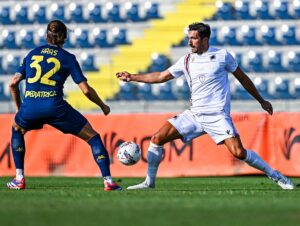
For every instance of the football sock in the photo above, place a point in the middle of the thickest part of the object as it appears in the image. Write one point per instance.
(108, 179)
(255, 161)
(100, 155)
(18, 150)
(154, 157)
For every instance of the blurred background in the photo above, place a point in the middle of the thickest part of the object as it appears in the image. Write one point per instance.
(145, 36)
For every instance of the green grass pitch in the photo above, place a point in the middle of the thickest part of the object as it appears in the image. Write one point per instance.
(241, 201)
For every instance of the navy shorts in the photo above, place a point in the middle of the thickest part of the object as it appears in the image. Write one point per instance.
(69, 121)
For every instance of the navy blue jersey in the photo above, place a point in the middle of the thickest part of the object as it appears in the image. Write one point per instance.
(45, 70)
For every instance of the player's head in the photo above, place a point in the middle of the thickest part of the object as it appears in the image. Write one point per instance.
(199, 34)
(56, 33)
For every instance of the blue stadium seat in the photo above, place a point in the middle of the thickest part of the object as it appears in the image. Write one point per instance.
(152, 10)
(281, 10)
(249, 36)
(76, 13)
(166, 92)
(295, 8)
(9, 39)
(3, 96)
(145, 92)
(27, 39)
(100, 38)
(293, 61)
(229, 36)
(275, 62)
(58, 12)
(182, 91)
(1, 66)
(261, 9)
(297, 88)
(128, 91)
(268, 36)
(82, 38)
(119, 36)
(242, 10)
(5, 15)
(87, 62)
(132, 12)
(289, 35)
(238, 58)
(113, 12)
(225, 11)
(213, 40)
(95, 13)
(255, 62)
(262, 85)
(39, 14)
(159, 63)
(282, 89)
(22, 15)
(13, 63)
(41, 37)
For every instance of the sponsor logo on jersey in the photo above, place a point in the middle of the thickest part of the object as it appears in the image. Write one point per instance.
(40, 94)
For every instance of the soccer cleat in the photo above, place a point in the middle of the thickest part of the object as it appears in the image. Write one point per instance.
(284, 182)
(144, 185)
(111, 186)
(16, 184)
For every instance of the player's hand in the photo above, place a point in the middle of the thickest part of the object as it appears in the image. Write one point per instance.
(106, 109)
(267, 106)
(124, 76)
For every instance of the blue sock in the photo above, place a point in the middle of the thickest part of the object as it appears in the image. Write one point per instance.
(100, 155)
(18, 148)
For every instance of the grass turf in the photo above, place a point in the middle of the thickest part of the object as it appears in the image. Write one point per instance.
(175, 202)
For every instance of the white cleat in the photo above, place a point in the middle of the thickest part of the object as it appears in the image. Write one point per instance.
(141, 186)
(284, 182)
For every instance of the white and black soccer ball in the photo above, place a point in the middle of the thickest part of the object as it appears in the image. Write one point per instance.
(129, 153)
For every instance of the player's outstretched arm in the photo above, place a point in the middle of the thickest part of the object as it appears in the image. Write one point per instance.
(153, 77)
(92, 95)
(250, 87)
(14, 89)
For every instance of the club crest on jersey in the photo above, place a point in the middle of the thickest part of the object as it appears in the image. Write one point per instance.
(202, 78)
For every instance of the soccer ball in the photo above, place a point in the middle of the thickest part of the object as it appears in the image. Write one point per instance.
(129, 153)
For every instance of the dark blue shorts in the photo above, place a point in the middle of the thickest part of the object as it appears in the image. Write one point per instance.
(68, 121)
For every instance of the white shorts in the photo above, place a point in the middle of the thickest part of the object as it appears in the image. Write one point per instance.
(218, 126)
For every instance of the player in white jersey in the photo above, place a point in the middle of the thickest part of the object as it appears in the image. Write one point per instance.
(206, 71)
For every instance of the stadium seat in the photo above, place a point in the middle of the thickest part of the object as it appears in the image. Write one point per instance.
(82, 38)
(159, 63)
(1, 66)
(13, 63)
(249, 36)
(76, 13)
(255, 62)
(229, 36)
(213, 40)
(27, 39)
(100, 38)
(128, 91)
(145, 92)
(39, 14)
(87, 62)
(152, 10)
(166, 92)
(3, 95)
(5, 15)
(295, 9)
(132, 12)
(274, 62)
(268, 35)
(293, 63)
(113, 12)
(288, 36)
(95, 13)
(41, 37)
(297, 88)
(119, 36)
(262, 85)
(279, 9)
(242, 10)
(282, 89)
(58, 12)
(240, 93)
(21, 14)
(9, 39)
(225, 11)
(182, 91)
(261, 9)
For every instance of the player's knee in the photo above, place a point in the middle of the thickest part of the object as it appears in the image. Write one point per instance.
(156, 139)
(239, 153)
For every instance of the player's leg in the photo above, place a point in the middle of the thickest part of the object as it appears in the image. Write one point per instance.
(154, 155)
(235, 146)
(18, 151)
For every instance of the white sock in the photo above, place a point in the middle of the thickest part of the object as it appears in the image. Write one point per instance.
(19, 174)
(108, 179)
(154, 157)
(255, 161)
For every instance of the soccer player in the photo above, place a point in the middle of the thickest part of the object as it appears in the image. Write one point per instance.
(45, 70)
(206, 71)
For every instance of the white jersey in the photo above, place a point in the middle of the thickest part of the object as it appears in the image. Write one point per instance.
(207, 77)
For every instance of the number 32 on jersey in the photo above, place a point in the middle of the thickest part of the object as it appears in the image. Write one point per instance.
(45, 78)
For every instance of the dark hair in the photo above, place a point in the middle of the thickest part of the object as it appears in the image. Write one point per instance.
(203, 29)
(56, 32)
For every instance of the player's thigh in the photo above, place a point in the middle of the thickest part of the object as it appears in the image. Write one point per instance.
(24, 122)
(187, 126)
(165, 134)
(71, 122)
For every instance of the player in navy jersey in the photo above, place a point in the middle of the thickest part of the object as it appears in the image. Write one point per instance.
(206, 71)
(45, 70)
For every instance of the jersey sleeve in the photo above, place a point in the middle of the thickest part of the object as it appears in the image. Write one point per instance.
(231, 64)
(75, 70)
(177, 69)
(22, 68)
